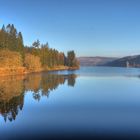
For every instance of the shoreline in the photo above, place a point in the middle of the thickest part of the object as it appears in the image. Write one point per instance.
(23, 71)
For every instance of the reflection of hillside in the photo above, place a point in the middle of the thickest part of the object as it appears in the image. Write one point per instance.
(32, 82)
(12, 89)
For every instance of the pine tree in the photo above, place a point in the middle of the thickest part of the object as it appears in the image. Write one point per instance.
(20, 45)
(70, 58)
(3, 28)
(36, 44)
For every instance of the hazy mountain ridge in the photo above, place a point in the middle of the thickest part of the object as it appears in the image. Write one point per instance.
(128, 61)
(95, 61)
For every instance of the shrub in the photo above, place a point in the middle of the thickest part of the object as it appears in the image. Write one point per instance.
(10, 59)
(32, 62)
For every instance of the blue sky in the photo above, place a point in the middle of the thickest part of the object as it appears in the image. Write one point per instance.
(90, 27)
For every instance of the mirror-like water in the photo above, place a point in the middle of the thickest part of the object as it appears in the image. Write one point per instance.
(92, 101)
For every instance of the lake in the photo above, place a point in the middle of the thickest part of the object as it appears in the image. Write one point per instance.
(93, 102)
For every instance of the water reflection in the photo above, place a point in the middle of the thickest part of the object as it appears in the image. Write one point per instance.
(12, 89)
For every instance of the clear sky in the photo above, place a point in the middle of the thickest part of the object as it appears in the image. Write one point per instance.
(90, 27)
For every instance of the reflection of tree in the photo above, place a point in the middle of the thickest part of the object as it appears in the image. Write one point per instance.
(32, 82)
(37, 96)
(11, 96)
(71, 80)
(12, 90)
(9, 110)
(50, 82)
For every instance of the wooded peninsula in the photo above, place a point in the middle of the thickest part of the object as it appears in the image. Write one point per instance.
(17, 58)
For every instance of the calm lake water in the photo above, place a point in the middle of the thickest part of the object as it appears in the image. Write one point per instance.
(87, 103)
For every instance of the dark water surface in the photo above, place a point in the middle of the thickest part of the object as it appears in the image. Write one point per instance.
(93, 102)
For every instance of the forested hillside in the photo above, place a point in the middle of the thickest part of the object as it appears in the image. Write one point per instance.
(37, 57)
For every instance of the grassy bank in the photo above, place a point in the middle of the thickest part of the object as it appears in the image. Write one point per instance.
(12, 71)
(57, 68)
(23, 70)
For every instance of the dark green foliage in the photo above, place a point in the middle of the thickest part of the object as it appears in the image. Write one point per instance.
(49, 57)
(20, 46)
(71, 60)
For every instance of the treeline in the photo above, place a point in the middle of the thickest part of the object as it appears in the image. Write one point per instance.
(36, 56)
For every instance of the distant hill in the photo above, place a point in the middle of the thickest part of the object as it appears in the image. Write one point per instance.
(129, 61)
(95, 61)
